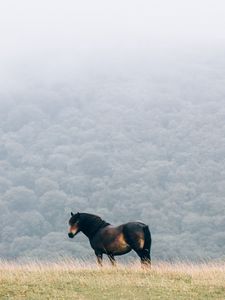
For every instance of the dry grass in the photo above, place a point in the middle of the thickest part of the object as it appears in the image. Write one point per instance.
(77, 280)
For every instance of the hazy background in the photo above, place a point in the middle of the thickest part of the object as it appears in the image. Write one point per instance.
(115, 108)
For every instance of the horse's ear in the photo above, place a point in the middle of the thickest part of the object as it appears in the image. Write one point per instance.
(78, 214)
(71, 214)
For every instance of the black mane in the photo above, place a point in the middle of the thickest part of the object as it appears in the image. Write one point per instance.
(90, 224)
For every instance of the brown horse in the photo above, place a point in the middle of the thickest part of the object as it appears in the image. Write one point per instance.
(112, 240)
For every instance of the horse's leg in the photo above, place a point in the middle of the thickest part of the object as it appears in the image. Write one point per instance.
(143, 251)
(99, 258)
(144, 254)
(145, 258)
(112, 259)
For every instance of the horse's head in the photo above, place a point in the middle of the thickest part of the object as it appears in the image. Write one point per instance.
(74, 225)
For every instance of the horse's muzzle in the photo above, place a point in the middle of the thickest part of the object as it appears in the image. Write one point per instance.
(71, 235)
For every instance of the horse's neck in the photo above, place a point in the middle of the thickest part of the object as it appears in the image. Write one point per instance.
(91, 225)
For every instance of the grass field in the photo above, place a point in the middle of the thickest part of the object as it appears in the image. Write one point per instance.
(75, 280)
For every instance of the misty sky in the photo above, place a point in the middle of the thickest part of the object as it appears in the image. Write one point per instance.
(48, 39)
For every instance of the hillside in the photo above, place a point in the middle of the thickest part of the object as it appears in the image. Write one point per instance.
(74, 280)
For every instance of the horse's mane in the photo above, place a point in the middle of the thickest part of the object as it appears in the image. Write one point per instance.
(90, 224)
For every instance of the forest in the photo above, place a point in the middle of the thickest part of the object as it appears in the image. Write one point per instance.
(127, 145)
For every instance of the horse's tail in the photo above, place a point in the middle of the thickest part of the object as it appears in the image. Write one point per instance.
(148, 240)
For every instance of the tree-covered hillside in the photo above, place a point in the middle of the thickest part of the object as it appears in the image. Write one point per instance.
(147, 146)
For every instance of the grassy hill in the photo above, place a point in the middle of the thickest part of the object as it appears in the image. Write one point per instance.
(76, 280)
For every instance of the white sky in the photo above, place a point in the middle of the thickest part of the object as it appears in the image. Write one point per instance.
(60, 31)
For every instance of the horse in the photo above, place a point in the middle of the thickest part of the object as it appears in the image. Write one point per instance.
(112, 240)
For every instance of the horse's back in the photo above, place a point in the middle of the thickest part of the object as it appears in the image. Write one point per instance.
(134, 225)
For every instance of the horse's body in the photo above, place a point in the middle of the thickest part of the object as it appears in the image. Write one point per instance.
(112, 240)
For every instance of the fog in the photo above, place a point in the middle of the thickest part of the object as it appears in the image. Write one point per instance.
(53, 38)
(115, 108)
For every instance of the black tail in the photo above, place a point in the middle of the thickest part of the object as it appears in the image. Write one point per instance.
(148, 239)
(147, 244)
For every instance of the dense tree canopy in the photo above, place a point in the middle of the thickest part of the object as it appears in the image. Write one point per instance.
(144, 147)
